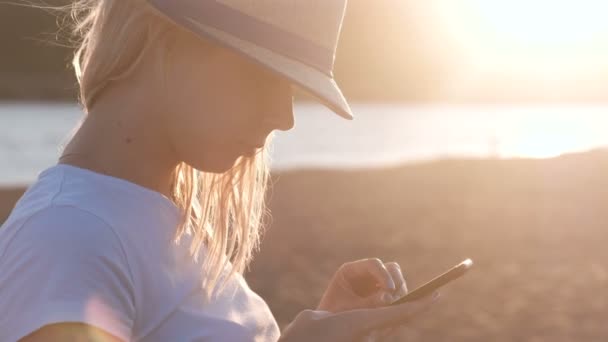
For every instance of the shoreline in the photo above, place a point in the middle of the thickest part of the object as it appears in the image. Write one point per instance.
(10, 193)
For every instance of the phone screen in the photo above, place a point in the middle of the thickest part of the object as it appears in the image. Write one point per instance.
(430, 287)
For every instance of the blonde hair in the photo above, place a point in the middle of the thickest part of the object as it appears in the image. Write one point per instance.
(224, 213)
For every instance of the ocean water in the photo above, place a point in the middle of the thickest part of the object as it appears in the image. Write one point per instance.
(31, 134)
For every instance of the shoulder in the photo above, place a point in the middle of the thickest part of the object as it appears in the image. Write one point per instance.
(65, 240)
(63, 264)
(62, 230)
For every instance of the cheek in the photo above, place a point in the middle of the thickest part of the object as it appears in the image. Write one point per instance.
(203, 137)
(209, 103)
(199, 144)
(191, 110)
(206, 124)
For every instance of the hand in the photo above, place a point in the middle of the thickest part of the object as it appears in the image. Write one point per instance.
(367, 283)
(351, 325)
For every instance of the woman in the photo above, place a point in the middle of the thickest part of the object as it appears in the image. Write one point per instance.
(143, 228)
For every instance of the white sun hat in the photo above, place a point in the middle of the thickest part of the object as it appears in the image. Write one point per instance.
(295, 38)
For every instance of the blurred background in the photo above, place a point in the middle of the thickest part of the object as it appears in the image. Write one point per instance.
(479, 131)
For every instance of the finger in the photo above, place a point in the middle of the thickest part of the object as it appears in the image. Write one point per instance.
(365, 320)
(386, 297)
(380, 299)
(373, 267)
(401, 287)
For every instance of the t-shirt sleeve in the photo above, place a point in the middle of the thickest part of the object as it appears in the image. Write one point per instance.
(65, 265)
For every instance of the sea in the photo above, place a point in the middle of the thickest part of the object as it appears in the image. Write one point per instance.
(32, 134)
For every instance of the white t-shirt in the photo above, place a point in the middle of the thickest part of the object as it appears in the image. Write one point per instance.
(80, 246)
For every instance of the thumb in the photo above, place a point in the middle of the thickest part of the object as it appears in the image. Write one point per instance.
(377, 299)
(365, 320)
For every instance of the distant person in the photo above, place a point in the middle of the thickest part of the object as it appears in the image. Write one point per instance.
(142, 230)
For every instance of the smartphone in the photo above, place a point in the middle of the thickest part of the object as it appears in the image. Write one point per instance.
(430, 287)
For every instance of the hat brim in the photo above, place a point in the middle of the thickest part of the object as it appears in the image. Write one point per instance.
(320, 85)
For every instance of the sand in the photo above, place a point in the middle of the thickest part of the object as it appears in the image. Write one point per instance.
(8, 197)
(536, 229)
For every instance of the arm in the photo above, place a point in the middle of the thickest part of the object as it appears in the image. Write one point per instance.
(70, 332)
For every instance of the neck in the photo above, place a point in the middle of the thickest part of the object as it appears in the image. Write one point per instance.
(111, 141)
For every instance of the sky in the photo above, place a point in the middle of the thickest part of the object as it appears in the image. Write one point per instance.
(471, 51)
(478, 50)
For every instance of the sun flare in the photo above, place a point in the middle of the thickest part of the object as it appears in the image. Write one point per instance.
(561, 36)
(544, 132)
(543, 23)
(526, 49)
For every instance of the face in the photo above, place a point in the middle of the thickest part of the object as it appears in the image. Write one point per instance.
(220, 105)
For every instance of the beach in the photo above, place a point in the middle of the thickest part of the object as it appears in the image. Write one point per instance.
(535, 228)
(8, 196)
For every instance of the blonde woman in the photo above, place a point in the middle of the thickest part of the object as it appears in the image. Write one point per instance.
(142, 230)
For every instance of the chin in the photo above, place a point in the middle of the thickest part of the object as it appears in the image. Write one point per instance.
(214, 166)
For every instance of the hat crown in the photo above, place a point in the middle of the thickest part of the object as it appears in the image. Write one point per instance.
(318, 21)
(295, 38)
(303, 30)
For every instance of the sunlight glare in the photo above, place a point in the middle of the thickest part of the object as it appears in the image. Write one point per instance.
(543, 22)
(559, 37)
(549, 134)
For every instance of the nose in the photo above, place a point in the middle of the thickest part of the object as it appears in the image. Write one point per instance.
(280, 113)
(283, 119)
